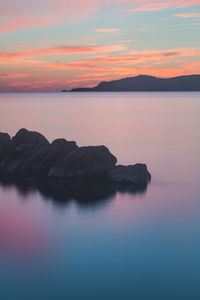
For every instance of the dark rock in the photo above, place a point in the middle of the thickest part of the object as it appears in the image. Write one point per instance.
(34, 161)
(4, 138)
(5, 144)
(63, 144)
(65, 168)
(17, 162)
(133, 174)
(47, 156)
(24, 136)
(85, 161)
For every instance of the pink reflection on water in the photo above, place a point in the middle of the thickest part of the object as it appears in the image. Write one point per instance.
(22, 232)
(19, 235)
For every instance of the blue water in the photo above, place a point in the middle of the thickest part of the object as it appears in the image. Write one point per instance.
(139, 246)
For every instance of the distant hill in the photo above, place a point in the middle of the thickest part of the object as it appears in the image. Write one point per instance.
(146, 83)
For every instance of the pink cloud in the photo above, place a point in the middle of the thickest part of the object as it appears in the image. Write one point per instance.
(188, 15)
(12, 25)
(107, 30)
(11, 76)
(163, 5)
(19, 44)
(23, 14)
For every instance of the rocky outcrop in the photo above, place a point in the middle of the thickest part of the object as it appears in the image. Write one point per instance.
(29, 155)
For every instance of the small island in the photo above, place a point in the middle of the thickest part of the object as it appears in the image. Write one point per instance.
(28, 156)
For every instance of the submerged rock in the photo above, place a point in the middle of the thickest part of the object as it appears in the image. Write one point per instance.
(85, 161)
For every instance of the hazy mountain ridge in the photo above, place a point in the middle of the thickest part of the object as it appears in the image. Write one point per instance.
(147, 83)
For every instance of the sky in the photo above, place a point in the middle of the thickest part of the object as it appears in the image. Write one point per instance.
(49, 45)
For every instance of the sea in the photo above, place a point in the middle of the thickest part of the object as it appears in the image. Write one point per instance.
(126, 245)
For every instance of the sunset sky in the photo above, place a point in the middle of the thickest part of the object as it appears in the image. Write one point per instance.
(49, 45)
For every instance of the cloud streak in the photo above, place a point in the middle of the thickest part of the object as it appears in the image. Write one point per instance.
(188, 15)
(61, 50)
(107, 30)
(153, 6)
(13, 76)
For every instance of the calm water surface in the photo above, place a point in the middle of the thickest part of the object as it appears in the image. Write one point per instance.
(125, 246)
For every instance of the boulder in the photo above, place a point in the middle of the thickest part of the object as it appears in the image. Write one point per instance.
(24, 136)
(4, 138)
(5, 144)
(84, 162)
(35, 161)
(17, 161)
(47, 156)
(132, 174)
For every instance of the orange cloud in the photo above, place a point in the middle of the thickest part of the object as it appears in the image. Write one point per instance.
(135, 57)
(71, 66)
(61, 50)
(93, 78)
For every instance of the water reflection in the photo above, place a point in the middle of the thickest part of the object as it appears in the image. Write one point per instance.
(85, 194)
(22, 236)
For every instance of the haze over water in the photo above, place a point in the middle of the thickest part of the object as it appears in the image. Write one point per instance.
(126, 246)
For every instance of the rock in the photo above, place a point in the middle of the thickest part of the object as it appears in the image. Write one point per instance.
(63, 144)
(84, 162)
(35, 161)
(24, 136)
(4, 138)
(133, 174)
(29, 156)
(17, 162)
(5, 144)
(47, 156)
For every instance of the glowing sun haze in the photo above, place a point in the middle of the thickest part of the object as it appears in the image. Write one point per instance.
(50, 45)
